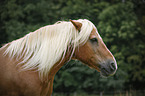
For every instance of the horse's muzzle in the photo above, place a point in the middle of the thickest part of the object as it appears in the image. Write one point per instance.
(108, 68)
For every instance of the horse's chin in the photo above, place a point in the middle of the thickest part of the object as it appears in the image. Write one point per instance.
(105, 74)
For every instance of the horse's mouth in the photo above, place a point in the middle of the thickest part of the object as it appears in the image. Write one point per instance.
(103, 72)
(108, 68)
(106, 72)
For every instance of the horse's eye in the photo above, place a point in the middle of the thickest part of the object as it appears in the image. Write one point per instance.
(94, 40)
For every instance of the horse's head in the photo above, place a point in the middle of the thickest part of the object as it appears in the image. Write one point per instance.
(95, 54)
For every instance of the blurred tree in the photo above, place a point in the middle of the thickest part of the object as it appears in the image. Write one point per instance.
(139, 10)
(120, 23)
(3, 35)
(118, 26)
(21, 17)
(77, 77)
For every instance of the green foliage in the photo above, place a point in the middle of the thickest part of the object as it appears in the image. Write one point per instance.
(123, 37)
(76, 77)
(121, 25)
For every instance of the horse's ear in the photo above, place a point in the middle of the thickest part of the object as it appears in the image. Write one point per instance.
(77, 25)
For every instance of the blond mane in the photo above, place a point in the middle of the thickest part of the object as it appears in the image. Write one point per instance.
(44, 47)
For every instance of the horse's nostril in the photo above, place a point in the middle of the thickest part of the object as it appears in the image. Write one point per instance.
(112, 66)
(109, 68)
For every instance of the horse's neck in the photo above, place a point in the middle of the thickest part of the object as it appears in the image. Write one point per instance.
(58, 65)
(52, 71)
(43, 87)
(3, 58)
(48, 81)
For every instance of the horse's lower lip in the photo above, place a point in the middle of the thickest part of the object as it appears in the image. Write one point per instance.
(104, 73)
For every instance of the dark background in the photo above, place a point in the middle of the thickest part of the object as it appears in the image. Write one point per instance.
(121, 24)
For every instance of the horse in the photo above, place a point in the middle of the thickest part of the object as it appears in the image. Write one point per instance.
(28, 65)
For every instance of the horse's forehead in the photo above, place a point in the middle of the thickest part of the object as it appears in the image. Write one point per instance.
(95, 33)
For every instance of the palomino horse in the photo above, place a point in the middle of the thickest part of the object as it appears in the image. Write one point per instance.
(28, 65)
